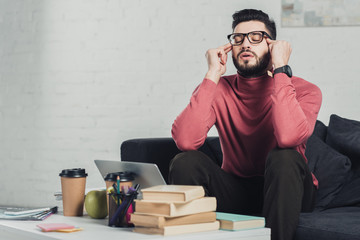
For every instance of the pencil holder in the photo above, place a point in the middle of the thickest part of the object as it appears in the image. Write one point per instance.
(120, 208)
(125, 181)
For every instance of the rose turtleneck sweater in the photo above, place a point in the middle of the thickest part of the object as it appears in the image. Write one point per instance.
(252, 117)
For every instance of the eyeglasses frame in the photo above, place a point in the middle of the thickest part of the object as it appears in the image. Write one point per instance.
(247, 35)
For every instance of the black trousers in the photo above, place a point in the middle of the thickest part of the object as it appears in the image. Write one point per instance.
(285, 190)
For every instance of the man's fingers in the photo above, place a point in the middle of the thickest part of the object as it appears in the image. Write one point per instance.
(269, 41)
(227, 50)
(222, 55)
(223, 51)
(227, 47)
(225, 60)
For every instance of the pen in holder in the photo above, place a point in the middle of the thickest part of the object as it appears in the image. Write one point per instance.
(121, 205)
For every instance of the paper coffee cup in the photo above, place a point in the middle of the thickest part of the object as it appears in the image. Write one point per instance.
(126, 179)
(73, 182)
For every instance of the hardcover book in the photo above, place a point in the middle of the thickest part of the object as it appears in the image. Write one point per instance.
(229, 221)
(171, 209)
(173, 193)
(179, 229)
(141, 220)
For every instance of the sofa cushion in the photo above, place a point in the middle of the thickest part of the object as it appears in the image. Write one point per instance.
(214, 149)
(331, 168)
(320, 130)
(337, 223)
(344, 136)
(349, 194)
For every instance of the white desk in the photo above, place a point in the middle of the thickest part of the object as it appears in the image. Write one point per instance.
(98, 229)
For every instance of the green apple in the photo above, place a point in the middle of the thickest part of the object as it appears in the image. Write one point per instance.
(95, 204)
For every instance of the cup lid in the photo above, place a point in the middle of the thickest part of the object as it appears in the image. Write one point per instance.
(74, 172)
(124, 176)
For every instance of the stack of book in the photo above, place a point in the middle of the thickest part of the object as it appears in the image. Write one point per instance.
(174, 209)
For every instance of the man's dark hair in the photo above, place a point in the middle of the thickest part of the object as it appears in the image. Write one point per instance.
(254, 15)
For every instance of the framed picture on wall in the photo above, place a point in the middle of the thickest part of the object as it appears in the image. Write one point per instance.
(317, 13)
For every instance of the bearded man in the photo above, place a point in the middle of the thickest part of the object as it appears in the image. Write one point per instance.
(263, 116)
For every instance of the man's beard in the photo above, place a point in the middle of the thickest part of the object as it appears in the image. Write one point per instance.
(258, 69)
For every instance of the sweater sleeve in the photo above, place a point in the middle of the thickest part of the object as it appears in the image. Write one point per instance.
(190, 128)
(294, 114)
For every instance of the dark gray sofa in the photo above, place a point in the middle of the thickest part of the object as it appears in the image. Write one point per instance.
(333, 152)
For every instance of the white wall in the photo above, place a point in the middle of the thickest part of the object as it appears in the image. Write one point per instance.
(78, 77)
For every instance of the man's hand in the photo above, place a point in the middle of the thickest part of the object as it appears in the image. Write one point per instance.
(280, 52)
(217, 59)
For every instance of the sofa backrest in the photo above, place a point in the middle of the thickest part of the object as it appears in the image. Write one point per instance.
(161, 150)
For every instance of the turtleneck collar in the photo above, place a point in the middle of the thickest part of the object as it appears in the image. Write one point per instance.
(256, 86)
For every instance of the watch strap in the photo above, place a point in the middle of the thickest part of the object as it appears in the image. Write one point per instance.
(284, 69)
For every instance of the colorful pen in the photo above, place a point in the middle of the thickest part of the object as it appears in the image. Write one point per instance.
(118, 184)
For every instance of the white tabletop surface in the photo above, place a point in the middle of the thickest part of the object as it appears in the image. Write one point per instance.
(98, 229)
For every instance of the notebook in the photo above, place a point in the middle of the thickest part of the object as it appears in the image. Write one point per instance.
(146, 174)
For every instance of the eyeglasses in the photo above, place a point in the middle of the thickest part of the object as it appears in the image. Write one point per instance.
(255, 37)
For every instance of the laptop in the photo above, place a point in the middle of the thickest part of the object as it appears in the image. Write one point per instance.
(146, 174)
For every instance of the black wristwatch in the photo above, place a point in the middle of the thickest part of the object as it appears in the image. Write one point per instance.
(284, 69)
